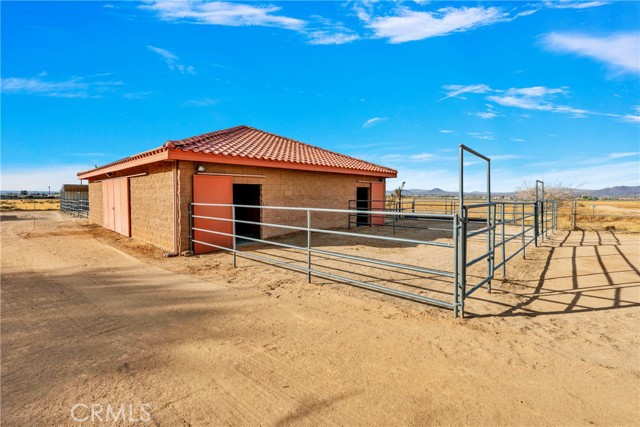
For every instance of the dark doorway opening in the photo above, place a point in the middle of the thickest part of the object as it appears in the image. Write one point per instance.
(362, 204)
(247, 194)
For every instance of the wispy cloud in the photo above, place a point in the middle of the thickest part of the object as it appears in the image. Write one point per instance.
(537, 98)
(373, 121)
(620, 52)
(517, 139)
(202, 102)
(172, 60)
(488, 136)
(74, 87)
(410, 25)
(453, 91)
(447, 131)
(317, 29)
(422, 157)
(137, 95)
(500, 157)
(572, 4)
(223, 13)
(331, 37)
(487, 115)
(623, 155)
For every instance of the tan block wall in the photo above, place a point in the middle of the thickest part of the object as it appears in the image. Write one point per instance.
(95, 203)
(279, 187)
(151, 204)
(152, 198)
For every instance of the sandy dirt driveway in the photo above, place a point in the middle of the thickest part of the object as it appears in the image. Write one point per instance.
(91, 318)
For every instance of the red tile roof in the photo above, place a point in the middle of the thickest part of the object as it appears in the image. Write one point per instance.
(254, 145)
(251, 143)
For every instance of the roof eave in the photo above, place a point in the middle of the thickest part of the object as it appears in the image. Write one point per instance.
(124, 164)
(178, 154)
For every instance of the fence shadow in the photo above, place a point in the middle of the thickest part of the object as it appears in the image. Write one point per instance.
(602, 277)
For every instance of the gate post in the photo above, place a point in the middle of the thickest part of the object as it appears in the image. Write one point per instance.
(535, 224)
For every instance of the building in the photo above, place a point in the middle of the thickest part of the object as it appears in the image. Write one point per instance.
(147, 196)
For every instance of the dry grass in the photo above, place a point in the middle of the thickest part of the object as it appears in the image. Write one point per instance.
(30, 205)
(619, 215)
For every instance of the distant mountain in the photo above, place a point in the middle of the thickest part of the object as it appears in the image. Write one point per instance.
(613, 192)
(619, 191)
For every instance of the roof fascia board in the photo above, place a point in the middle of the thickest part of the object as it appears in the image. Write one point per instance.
(177, 154)
(164, 155)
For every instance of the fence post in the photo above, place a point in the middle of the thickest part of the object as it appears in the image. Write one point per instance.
(233, 225)
(455, 266)
(308, 246)
(574, 215)
(463, 261)
(535, 224)
(524, 234)
(504, 250)
(191, 227)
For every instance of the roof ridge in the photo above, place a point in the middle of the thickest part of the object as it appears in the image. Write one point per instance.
(171, 143)
(314, 146)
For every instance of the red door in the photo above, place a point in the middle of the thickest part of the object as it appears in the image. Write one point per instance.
(215, 190)
(377, 202)
(115, 205)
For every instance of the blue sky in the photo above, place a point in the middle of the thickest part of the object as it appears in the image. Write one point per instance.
(548, 90)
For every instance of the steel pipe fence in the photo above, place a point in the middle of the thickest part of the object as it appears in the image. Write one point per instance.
(312, 267)
(77, 207)
(508, 230)
(507, 227)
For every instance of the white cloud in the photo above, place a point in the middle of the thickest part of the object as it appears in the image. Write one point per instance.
(621, 52)
(571, 4)
(137, 95)
(500, 157)
(171, 60)
(411, 25)
(447, 131)
(629, 118)
(202, 102)
(622, 155)
(457, 90)
(75, 87)
(223, 13)
(373, 121)
(521, 102)
(539, 98)
(488, 115)
(482, 135)
(517, 139)
(39, 178)
(324, 37)
(423, 157)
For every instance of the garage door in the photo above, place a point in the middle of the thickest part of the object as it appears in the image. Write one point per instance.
(215, 190)
(115, 205)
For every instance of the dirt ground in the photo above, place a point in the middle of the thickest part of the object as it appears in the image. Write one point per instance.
(89, 317)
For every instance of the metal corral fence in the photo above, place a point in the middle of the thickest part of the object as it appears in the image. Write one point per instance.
(611, 215)
(79, 208)
(489, 233)
(74, 199)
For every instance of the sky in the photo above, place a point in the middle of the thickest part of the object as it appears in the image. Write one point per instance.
(547, 90)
